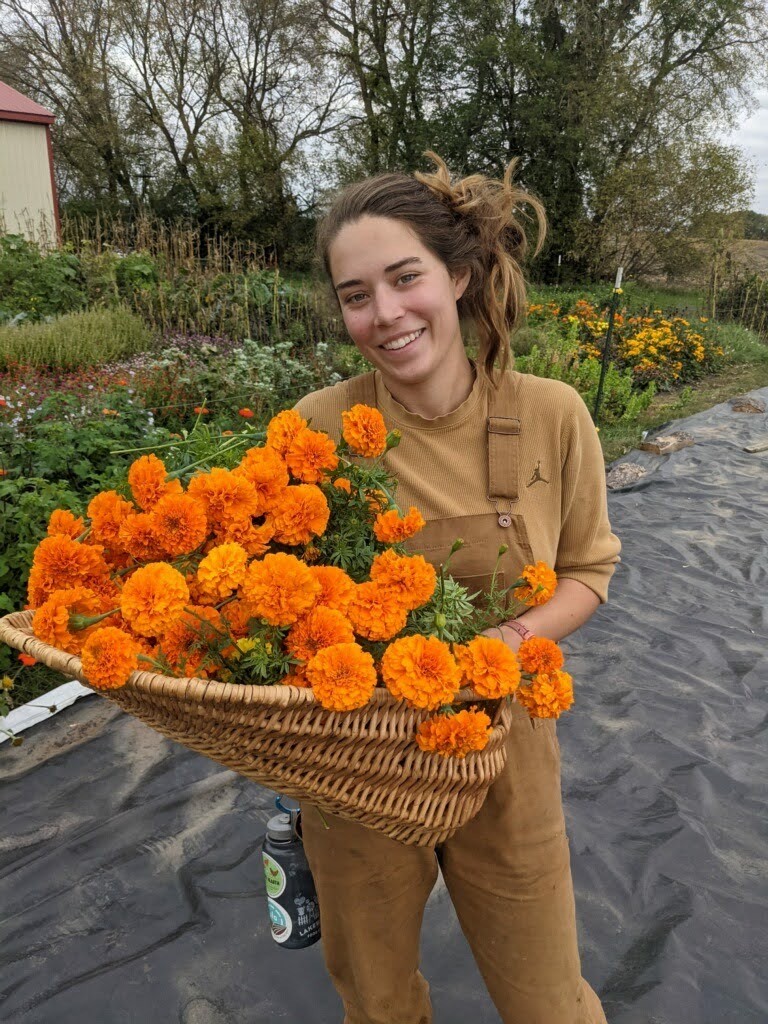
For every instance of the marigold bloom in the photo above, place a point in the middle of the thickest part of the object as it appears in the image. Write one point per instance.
(245, 413)
(301, 514)
(107, 513)
(59, 562)
(540, 654)
(265, 468)
(540, 584)
(51, 623)
(490, 668)
(364, 431)
(337, 588)
(187, 640)
(147, 480)
(320, 627)
(283, 428)
(296, 677)
(254, 539)
(421, 670)
(548, 694)
(222, 571)
(201, 410)
(377, 500)
(343, 676)
(27, 660)
(62, 521)
(237, 616)
(410, 578)
(343, 484)
(375, 613)
(389, 528)
(455, 735)
(180, 523)
(108, 657)
(153, 596)
(279, 588)
(137, 536)
(311, 456)
(226, 496)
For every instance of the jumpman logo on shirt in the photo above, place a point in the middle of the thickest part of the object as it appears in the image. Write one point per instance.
(536, 477)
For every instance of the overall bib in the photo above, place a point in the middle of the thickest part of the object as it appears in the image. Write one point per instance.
(507, 870)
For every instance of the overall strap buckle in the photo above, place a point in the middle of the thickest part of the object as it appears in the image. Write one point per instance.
(503, 447)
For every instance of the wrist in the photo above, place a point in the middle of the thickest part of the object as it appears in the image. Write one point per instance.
(517, 627)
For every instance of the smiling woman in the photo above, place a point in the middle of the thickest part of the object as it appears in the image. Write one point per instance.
(413, 263)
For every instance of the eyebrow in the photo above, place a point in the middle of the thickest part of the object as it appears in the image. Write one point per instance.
(387, 270)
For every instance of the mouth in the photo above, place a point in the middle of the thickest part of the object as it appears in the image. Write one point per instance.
(402, 347)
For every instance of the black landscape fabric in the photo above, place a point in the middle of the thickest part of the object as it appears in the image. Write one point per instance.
(131, 884)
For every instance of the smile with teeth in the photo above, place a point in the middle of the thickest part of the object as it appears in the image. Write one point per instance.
(405, 340)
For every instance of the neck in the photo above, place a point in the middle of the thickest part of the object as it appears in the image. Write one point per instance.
(443, 392)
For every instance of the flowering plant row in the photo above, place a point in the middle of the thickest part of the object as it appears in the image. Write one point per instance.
(287, 569)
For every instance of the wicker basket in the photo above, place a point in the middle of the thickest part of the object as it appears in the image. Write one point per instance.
(363, 765)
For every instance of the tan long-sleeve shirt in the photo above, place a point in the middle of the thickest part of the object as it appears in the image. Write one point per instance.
(442, 468)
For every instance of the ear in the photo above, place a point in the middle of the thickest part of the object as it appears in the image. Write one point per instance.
(461, 281)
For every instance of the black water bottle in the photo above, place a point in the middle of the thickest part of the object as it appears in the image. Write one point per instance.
(294, 913)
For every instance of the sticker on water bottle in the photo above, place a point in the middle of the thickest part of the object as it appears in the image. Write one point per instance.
(274, 876)
(281, 924)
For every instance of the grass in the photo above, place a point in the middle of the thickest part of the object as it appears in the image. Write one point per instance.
(73, 340)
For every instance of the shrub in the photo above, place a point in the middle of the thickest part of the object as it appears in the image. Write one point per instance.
(34, 285)
(75, 339)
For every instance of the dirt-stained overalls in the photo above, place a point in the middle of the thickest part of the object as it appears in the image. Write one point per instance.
(507, 870)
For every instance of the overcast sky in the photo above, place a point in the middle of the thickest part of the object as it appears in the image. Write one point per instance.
(752, 137)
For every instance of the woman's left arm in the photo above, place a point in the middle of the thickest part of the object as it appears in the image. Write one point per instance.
(571, 605)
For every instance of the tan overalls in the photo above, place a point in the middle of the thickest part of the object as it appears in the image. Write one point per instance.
(507, 870)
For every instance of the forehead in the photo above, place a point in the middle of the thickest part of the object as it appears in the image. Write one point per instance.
(365, 248)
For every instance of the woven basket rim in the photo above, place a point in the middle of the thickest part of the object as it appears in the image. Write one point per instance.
(16, 631)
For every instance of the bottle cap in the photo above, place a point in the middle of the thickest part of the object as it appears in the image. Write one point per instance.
(279, 828)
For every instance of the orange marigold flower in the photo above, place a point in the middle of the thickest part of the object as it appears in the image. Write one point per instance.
(321, 627)
(59, 562)
(222, 571)
(336, 588)
(27, 660)
(389, 528)
(343, 484)
(63, 521)
(245, 413)
(147, 480)
(51, 622)
(548, 695)
(421, 670)
(180, 522)
(226, 496)
(411, 579)
(279, 588)
(375, 613)
(188, 641)
(364, 431)
(377, 500)
(539, 654)
(227, 433)
(201, 410)
(540, 584)
(107, 512)
(137, 536)
(343, 676)
(153, 596)
(267, 471)
(108, 657)
(301, 514)
(283, 428)
(296, 677)
(255, 539)
(237, 616)
(490, 668)
(455, 735)
(312, 456)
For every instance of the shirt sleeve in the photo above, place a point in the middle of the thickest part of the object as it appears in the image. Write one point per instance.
(587, 550)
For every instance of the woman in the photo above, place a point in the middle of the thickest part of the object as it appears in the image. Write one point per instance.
(492, 458)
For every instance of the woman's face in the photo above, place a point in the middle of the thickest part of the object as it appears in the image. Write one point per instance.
(389, 286)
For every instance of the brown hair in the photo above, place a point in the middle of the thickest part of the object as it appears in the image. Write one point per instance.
(473, 223)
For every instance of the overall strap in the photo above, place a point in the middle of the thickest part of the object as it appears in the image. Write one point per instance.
(361, 389)
(503, 445)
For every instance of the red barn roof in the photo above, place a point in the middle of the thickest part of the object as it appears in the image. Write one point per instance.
(14, 106)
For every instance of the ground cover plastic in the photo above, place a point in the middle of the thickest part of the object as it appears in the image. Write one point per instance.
(131, 886)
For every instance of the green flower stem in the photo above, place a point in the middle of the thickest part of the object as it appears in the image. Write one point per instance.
(83, 621)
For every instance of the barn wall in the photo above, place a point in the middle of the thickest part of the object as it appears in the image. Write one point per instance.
(26, 200)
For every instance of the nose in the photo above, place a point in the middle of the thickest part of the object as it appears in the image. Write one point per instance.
(388, 308)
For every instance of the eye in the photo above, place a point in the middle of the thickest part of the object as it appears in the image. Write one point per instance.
(350, 298)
